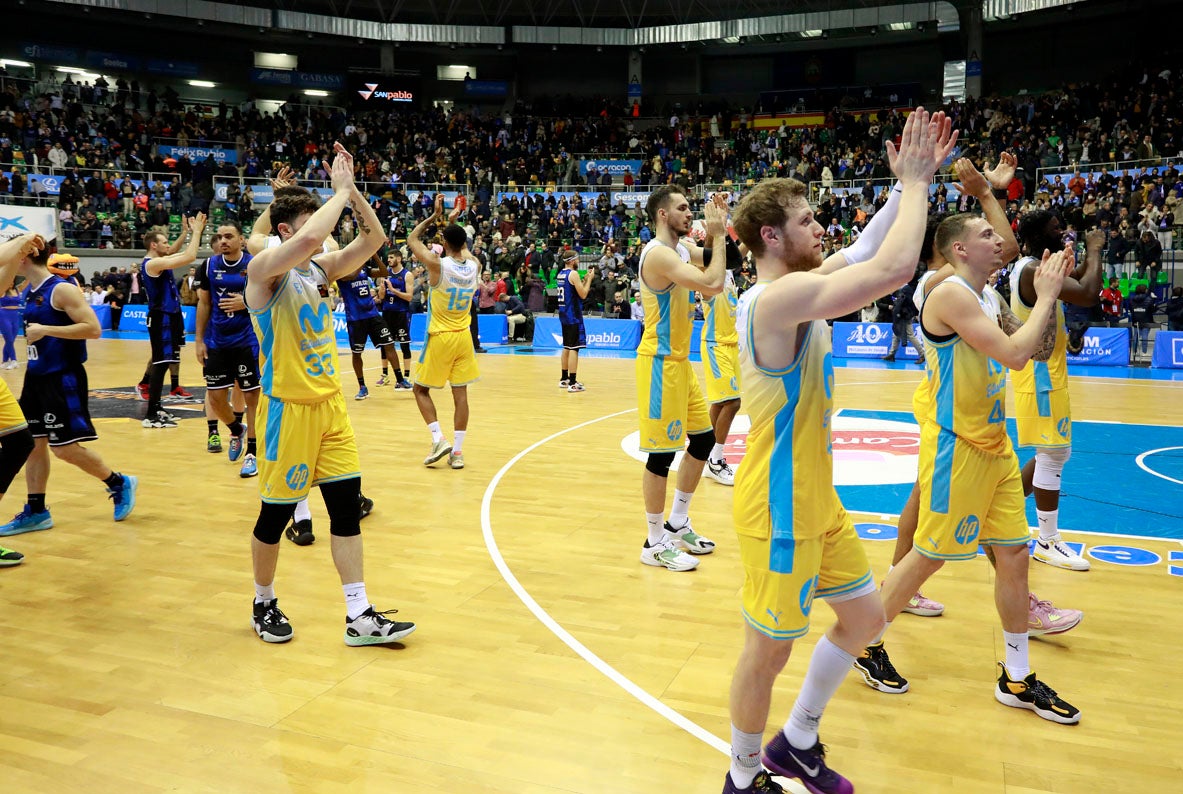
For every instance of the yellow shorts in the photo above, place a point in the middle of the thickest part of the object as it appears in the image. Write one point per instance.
(12, 418)
(303, 445)
(1044, 420)
(967, 498)
(669, 404)
(720, 364)
(777, 602)
(447, 357)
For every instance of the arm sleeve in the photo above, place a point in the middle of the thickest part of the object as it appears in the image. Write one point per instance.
(872, 236)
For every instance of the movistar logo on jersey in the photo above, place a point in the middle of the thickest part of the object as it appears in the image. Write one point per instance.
(315, 321)
(297, 477)
(967, 530)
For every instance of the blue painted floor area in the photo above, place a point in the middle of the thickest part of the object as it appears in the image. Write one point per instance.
(1104, 488)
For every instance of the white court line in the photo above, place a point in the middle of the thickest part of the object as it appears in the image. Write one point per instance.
(693, 728)
(1139, 460)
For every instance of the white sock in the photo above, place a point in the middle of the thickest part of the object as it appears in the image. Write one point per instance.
(745, 757)
(355, 599)
(264, 593)
(436, 434)
(1049, 524)
(827, 670)
(680, 512)
(656, 522)
(1018, 665)
(303, 512)
(717, 455)
(458, 441)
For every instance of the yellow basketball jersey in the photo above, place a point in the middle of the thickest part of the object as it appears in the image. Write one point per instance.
(1040, 376)
(297, 339)
(449, 303)
(718, 314)
(669, 314)
(966, 391)
(786, 483)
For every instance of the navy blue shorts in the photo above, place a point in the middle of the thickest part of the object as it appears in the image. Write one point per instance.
(56, 407)
(166, 331)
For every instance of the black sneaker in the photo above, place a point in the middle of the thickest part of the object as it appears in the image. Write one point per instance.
(374, 628)
(300, 532)
(761, 784)
(159, 419)
(1033, 694)
(367, 506)
(270, 623)
(808, 766)
(877, 670)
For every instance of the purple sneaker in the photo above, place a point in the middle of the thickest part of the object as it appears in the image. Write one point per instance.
(761, 784)
(808, 766)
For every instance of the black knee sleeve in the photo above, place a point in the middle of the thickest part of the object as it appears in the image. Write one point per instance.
(406, 347)
(341, 500)
(701, 444)
(659, 463)
(272, 519)
(14, 451)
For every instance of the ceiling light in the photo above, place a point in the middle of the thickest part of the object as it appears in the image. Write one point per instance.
(10, 62)
(315, 92)
(900, 26)
(812, 34)
(202, 84)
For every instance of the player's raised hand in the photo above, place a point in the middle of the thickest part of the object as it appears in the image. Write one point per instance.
(1094, 238)
(1003, 174)
(1049, 276)
(945, 139)
(912, 161)
(969, 179)
(438, 206)
(197, 224)
(341, 173)
(30, 243)
(714, 213)
(286, 177)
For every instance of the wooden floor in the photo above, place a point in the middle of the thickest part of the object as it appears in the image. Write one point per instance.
(127, 663)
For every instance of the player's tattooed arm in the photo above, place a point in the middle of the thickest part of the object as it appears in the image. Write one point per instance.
(1047, 340)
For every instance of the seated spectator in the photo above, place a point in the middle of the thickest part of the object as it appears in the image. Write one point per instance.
(1174, 310)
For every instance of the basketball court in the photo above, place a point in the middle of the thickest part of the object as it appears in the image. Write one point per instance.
(548, 658)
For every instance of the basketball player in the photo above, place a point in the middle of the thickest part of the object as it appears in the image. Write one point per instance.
(1043, 412)
(16, 442)
(364, 321)
(395, 292)
(227, 347)
(572, 292)
(672, 412)
(166, 324)
(971, 491)
(447, 356)
(307, 437)
(721, 365)
(796, 541)
(58, 321)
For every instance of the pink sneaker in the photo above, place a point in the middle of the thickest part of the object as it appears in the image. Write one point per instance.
(1043, 618)
(924, 607)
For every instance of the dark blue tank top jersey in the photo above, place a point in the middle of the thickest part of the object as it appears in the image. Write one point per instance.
(227, 329)
(570, 304)
(162, 291)
(49, 354)
(394, 303)
(10, 300)
(358, 293)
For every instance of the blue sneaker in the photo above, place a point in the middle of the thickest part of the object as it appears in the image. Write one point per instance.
(237, 445)
(361, 395)
(249, 467)
(27, 521)
(124, 496)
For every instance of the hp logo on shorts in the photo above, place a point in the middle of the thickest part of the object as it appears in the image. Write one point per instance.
(807, 591)
(1064, 426)
(967, 530)
(674, 430)
(734, 385)
(297, 477)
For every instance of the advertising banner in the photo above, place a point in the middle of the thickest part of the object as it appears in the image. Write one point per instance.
(869, 340)
(601, 334)
(1168, 349)
(1106, 347)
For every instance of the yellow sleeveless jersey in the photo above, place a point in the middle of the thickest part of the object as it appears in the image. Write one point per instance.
(966, 390)
(718, 314)
(449, 303)
(669, 314)
(297, 339)
(1040, 377)
(786, 482)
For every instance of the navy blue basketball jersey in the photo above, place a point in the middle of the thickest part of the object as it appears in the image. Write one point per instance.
(162, 290)
(394, 303)
(570, 304)
(49, 354)
(357, 291)
(227, 329)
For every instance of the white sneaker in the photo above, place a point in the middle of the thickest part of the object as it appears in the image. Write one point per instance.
(439, 450)
(689, 540)
(665, 554)
(1056, 554)
(720, 472)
